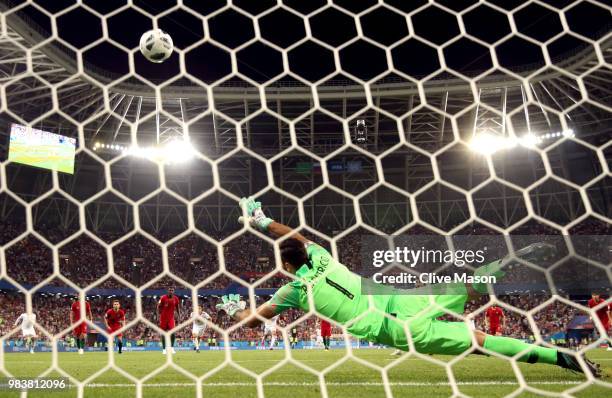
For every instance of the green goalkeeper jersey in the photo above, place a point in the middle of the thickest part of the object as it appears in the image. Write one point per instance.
(336, 293)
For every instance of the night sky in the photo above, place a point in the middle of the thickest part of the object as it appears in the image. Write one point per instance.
(333, 25)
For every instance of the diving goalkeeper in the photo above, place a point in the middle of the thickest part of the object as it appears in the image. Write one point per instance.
(336, 294)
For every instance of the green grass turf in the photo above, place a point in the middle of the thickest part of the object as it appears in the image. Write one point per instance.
(476, 376)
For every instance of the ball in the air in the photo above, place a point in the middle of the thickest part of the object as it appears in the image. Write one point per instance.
(156, 45)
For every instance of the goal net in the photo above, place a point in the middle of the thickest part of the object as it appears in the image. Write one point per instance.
(363, 125)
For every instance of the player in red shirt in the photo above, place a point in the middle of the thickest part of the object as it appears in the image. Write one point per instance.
(80, 330)
(325, 333)
(168, 303)
(603, 313)
(495, 320)
(114, 319)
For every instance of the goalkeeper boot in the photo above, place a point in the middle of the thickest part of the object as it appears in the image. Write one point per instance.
(536, 252)
(567, 361)
(491, 269)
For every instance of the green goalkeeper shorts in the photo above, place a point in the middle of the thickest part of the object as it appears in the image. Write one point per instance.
(429, 335)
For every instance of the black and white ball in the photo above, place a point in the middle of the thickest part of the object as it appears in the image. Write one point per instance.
(156, 45)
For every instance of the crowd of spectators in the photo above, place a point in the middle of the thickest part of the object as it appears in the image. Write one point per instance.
(138, 260)
(192, 259)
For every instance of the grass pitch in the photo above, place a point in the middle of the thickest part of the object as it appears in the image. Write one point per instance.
(410, 376)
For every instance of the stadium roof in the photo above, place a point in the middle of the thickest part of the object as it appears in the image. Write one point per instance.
(111, 104)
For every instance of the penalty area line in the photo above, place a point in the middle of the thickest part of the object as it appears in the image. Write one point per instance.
(336, 384)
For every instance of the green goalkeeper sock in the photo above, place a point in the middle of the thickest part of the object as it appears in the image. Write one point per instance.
(510, 347)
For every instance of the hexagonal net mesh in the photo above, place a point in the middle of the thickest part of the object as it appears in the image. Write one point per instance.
(347, 120)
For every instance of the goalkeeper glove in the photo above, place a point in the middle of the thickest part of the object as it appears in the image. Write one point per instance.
(255, 215)
(231, 304)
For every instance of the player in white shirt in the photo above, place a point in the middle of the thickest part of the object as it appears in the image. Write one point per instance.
(319, 341)
(269, 330)
(199, 326)
(27, 329)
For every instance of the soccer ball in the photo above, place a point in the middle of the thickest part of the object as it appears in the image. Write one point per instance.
(156, 45)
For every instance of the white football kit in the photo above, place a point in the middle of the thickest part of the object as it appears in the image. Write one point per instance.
(199, 326)
(319, 341)
(27, 324)
(270, 326)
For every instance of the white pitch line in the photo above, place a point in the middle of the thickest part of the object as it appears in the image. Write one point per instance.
(308, 384)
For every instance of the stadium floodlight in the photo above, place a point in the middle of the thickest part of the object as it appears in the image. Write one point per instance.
(529, 140)
(178, 151)
(488, 144)
(175, 151)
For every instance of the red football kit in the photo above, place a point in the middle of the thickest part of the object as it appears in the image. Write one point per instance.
(80, 328)
(494, 315)
(167, 306)
(325, 329)
(114, 319)
(602, 313)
